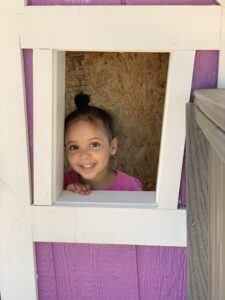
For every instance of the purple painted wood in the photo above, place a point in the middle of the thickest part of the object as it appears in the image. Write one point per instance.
(46, 271)
(74, 2)
(96, 272)
(169, 2)
(75, 271)
(162, 273)
(206, 70)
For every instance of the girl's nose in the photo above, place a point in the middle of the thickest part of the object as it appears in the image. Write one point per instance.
(85, 153)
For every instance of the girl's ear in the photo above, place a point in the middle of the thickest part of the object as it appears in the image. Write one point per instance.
(114, 144)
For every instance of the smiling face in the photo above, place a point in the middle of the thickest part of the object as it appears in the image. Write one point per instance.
(88, 150)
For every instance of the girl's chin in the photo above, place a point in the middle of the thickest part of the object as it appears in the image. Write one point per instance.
(87, 174)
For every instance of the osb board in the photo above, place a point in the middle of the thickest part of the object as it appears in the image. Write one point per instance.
(131, 86)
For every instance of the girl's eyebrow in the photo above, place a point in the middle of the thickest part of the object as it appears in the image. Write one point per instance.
(91, 139)
(71, 142)
(95, 138)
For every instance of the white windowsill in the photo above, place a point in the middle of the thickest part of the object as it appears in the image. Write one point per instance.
(120, 199)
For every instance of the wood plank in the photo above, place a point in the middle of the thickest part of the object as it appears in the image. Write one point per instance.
(121, 225)
(162, 273)
(212, 103)
(215, 136)
(178, 91)
(120, 199)
(46, 273)
(197, 151)
(113, 28)
(43, 125)
(217, 227)
(16, 6)
(58, 116)
(18, 274)
(96, 271)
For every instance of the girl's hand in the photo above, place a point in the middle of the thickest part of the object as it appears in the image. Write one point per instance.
(80, 188)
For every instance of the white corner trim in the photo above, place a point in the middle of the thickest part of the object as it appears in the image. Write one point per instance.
(17, 271)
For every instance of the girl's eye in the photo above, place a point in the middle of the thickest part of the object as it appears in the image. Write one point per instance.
(73, 148)
(95, 145)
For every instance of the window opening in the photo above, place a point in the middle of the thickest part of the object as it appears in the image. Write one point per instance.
(131, 86)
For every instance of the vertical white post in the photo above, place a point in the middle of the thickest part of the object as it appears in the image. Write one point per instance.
(17, 262)
(58, 122)
(48, 82)
(177, 95)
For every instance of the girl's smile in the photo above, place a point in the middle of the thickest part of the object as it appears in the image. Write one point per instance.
(88, 152)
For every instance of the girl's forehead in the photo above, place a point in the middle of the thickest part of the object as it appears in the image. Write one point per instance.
(86, 127)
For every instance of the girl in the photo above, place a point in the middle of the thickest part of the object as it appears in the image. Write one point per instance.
(90, 141)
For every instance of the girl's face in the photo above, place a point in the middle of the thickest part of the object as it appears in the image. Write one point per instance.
(88, 149)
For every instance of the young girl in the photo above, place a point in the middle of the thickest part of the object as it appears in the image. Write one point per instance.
(90, 141)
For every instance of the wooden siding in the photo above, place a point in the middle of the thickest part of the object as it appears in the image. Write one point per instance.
(206, 193)
(197, 209)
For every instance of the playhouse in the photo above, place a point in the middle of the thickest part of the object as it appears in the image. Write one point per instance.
(113, 245)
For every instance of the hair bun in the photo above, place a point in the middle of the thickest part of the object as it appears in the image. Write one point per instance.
(81, 100)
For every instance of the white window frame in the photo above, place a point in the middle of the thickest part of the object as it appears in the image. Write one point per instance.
(112, 29)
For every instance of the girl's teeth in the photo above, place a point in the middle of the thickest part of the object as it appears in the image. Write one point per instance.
(87, 166)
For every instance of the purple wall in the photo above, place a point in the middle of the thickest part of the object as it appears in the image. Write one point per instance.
(111, 272)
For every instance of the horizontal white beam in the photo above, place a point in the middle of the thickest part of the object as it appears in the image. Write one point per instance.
(109, 226)
(121, 28)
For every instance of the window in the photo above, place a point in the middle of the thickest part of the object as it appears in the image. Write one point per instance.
(49, 86)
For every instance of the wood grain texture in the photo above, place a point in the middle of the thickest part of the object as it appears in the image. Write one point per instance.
(217, 227)
(212, 103)
(197, 151)
(89, 272)
(46, 277)
(214, 134)
(162, 273)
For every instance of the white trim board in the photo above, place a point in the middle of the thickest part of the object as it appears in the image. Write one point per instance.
(109, 226)
(112, 28)
(178, 89)
(119, 199)
(17, 257)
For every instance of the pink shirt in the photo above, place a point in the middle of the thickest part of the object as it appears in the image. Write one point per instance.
(122, 182)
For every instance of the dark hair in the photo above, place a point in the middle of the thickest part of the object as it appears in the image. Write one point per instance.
(90, 113)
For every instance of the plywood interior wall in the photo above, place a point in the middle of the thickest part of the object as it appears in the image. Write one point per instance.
(131, 86)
